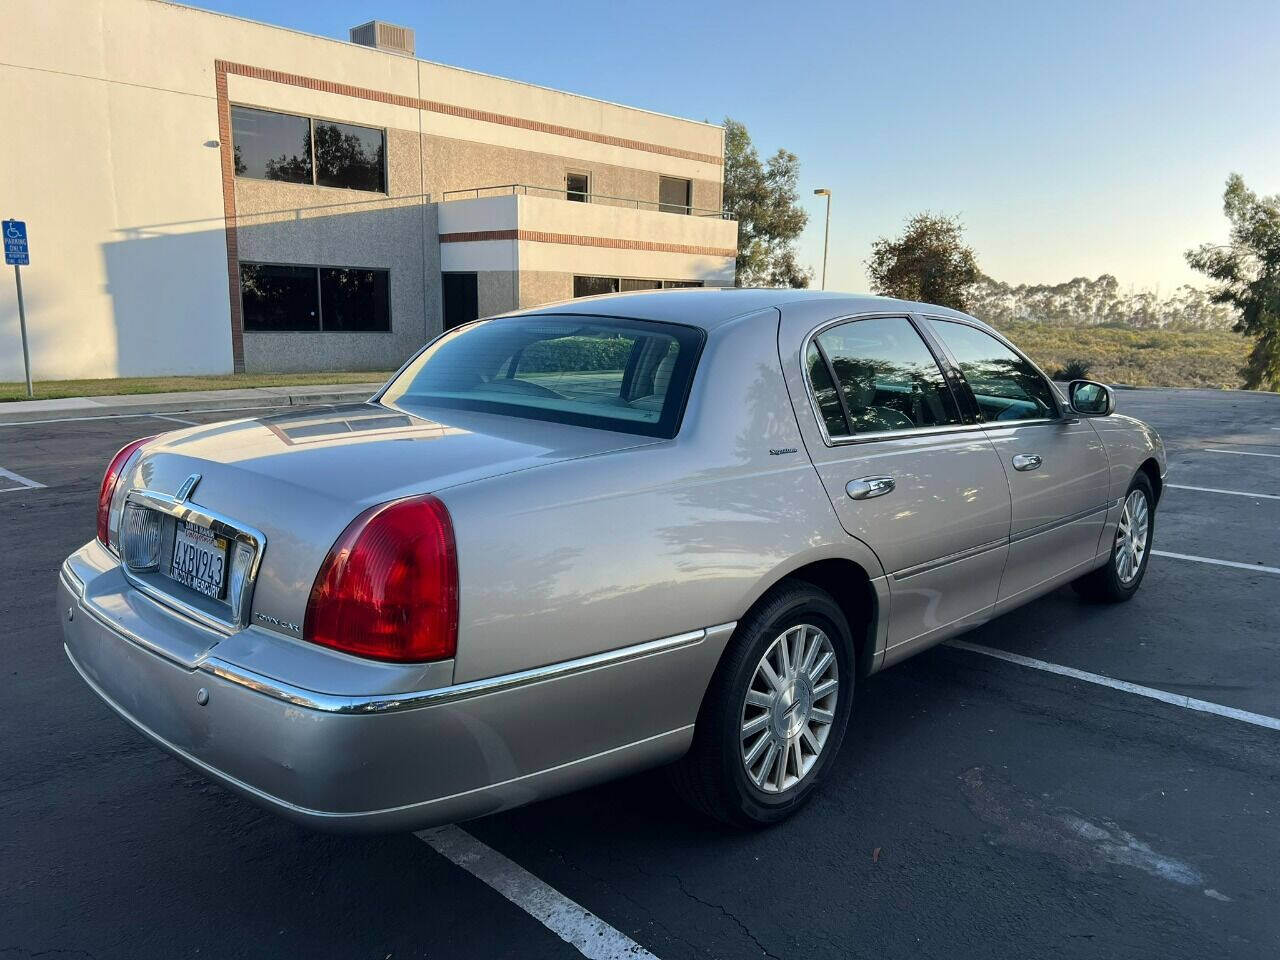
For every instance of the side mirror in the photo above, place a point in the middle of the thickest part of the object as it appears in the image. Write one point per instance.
(1090, 399)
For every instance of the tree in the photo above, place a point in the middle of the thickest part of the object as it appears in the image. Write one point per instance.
(765, 200)
(929, 262)
(1247, 271)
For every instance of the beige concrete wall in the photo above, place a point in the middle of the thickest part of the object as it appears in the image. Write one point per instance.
(461, 165)
(544, 286)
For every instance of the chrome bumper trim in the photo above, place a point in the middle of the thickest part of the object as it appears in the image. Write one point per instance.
(412, 700)
(418, 699)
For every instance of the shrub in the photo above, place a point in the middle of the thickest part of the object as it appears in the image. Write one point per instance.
(576, 353)
(1074, 369)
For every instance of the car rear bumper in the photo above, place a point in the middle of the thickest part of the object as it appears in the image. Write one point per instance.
(403, 760)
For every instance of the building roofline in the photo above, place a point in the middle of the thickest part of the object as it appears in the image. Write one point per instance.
(347, 44)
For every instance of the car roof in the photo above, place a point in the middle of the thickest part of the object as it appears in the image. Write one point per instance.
(711, 307)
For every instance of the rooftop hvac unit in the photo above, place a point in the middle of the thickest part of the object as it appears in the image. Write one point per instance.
(384, 36)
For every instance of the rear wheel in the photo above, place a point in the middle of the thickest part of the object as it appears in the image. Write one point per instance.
(775, 712)
(1120, 578)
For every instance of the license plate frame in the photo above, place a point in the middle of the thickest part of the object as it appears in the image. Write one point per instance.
(198, 560)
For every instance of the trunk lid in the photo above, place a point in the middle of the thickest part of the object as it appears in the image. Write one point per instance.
(299, 478)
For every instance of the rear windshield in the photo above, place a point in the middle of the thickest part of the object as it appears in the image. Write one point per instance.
(626, 375)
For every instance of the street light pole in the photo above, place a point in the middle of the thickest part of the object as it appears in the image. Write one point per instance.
(826, 233)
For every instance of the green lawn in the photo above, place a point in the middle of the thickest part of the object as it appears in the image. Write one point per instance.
(1141, 358)
(53, 389)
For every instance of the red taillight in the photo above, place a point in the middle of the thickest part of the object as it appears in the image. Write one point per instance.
(389, 587)
(108, 488)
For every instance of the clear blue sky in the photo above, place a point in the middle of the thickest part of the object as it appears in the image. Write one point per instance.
(1073, 138)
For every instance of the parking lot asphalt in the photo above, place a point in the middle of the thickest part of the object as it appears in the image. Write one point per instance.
(979, 808)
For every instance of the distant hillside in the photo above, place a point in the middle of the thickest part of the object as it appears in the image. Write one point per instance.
(1094, 303)
(1139, 357)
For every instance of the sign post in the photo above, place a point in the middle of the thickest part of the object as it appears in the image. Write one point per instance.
(18, 253)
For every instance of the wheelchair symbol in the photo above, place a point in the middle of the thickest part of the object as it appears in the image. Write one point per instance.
(13, 233)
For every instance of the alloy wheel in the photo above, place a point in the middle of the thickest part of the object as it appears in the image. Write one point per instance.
(789, 707)
(1131, 537)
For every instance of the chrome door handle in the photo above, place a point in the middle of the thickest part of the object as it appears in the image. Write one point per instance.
(868, 487)
(1026, 461)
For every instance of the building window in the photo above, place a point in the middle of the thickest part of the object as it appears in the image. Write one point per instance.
(349, 156)
(282, 297)
(674, 194)
(577, 186)
(281, 146)
(271, 146)
(593, 286)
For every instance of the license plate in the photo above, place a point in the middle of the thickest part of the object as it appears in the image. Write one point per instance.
(199, 559)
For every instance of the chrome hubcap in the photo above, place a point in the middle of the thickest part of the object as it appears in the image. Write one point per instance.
(789, 708)
(1131, 537)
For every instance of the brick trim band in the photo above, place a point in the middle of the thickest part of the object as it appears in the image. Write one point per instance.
(452, 110)
(229, 218)
(578, 240)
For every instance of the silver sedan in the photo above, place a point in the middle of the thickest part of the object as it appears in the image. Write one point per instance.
(569, 543)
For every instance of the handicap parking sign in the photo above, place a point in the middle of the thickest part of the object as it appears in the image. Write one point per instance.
(15, 242)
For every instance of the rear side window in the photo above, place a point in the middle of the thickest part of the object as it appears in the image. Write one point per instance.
(626, 375)
(887, 378)
(1005, 385)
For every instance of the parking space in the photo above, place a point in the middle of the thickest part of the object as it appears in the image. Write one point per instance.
(979, 807)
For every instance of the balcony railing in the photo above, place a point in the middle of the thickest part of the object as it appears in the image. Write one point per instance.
(560, 193)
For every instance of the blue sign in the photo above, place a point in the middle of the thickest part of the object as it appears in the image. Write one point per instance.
(15, 242)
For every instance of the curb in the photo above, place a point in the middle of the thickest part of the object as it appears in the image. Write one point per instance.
(139, 405)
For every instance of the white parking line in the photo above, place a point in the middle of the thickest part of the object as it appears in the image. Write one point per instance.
(572, 923)
(1234, 493)
(1187, 703)
(1243, 453)
(164, 416)
(1257, 567)
(23, 481)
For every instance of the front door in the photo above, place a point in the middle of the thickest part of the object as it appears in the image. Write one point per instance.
(905, 471)
(461, 298)
(1056, 463)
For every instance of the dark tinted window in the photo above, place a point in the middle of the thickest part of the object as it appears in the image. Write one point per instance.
(626, 375)
(592, 286)
(824, 392)
(576, 187)
(630, 284)
(349, 156)
(279, 297)
(669, 284)
(352, 299)
(673, 194)
(1005, 385)
(271, 146)
(887, 376)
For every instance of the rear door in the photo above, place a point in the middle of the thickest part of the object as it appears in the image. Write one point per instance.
(1056, 463)
(907, 473)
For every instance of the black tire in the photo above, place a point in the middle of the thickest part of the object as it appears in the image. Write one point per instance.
(712, 776)
(1104, 584)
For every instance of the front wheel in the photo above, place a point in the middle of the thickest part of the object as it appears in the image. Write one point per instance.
(1120, 578)
(775, 713)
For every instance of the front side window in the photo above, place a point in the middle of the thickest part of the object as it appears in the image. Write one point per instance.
(1005, 385)
(674, 194)
(625, 375)
(886, 376)
(281, 146)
